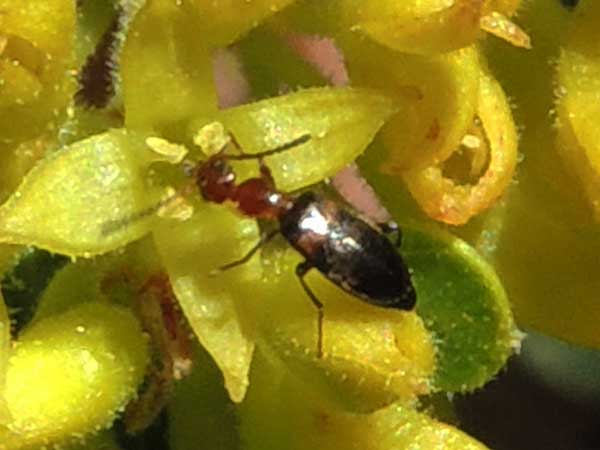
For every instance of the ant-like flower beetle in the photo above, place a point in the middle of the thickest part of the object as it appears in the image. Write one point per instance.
(346, 249)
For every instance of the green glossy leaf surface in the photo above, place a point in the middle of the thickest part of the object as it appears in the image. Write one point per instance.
(464, 305)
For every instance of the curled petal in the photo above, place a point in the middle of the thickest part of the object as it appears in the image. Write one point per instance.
(436, 96)
(445, 200)
(417, 28)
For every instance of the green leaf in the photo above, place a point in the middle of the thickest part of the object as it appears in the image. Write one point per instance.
(70, 374)
(341, 122)
(464, 305)
(70, 201)
(26, 280)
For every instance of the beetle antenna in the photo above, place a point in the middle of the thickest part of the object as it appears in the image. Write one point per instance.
(288, 145)
(112, 226)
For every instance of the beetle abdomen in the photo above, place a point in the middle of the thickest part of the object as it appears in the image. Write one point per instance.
(349, 252)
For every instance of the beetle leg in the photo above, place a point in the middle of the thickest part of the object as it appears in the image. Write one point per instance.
(301, 270)
(392, 227)
(266, 237)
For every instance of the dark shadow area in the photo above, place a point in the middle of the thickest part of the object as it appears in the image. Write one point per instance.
(523, 410)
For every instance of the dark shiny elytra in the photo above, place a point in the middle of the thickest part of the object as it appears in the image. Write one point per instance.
(348, 251)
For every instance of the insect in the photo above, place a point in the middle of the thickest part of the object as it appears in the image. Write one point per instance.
(346, 249)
